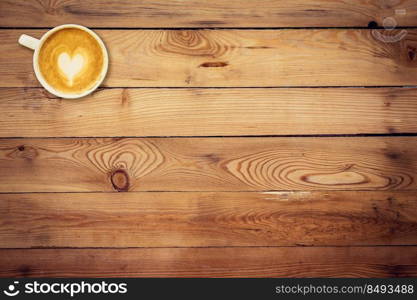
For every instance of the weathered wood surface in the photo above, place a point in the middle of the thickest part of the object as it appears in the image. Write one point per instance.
(205, 13)
(349, 199)
(209, 112)
(208, 164)
(236, 58)
(212, 262)
(197, 219)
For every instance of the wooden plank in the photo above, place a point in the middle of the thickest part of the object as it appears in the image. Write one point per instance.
(208, 164)
(205, 13)
(209, 112)
(236, 58)
(211, 262)
(196, 219)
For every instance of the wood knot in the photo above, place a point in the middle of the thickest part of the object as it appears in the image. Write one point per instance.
(216, 64)
(411, 53)
(26, 152)
(125, 97)
(212, 157)
(392, 155)
(372, 24)
(120, 180)
(391, 200)
(24, 270)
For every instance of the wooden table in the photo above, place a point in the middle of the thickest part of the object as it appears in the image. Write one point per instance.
(230, 138)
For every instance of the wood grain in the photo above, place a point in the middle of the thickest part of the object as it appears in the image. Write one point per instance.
(212, 262)
(237, 58)
(199, 219)
(209, 112)
(205, 13)
(208, 164)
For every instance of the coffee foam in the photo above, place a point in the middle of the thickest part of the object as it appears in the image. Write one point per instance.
(71, 60)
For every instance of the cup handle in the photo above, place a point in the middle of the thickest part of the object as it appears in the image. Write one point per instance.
(28, 41)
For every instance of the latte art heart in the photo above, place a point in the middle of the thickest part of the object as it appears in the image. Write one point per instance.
(70, 66)
(71, 61)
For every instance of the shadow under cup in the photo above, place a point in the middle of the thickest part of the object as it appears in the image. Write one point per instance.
(71, 61)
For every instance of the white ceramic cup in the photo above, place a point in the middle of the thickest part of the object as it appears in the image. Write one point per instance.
(36, 45)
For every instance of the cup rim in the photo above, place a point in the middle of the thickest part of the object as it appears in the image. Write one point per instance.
(47, 86)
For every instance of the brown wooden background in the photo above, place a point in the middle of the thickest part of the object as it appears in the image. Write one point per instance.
(230, 138)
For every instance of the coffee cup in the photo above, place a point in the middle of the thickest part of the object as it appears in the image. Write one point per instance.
(70, 61)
